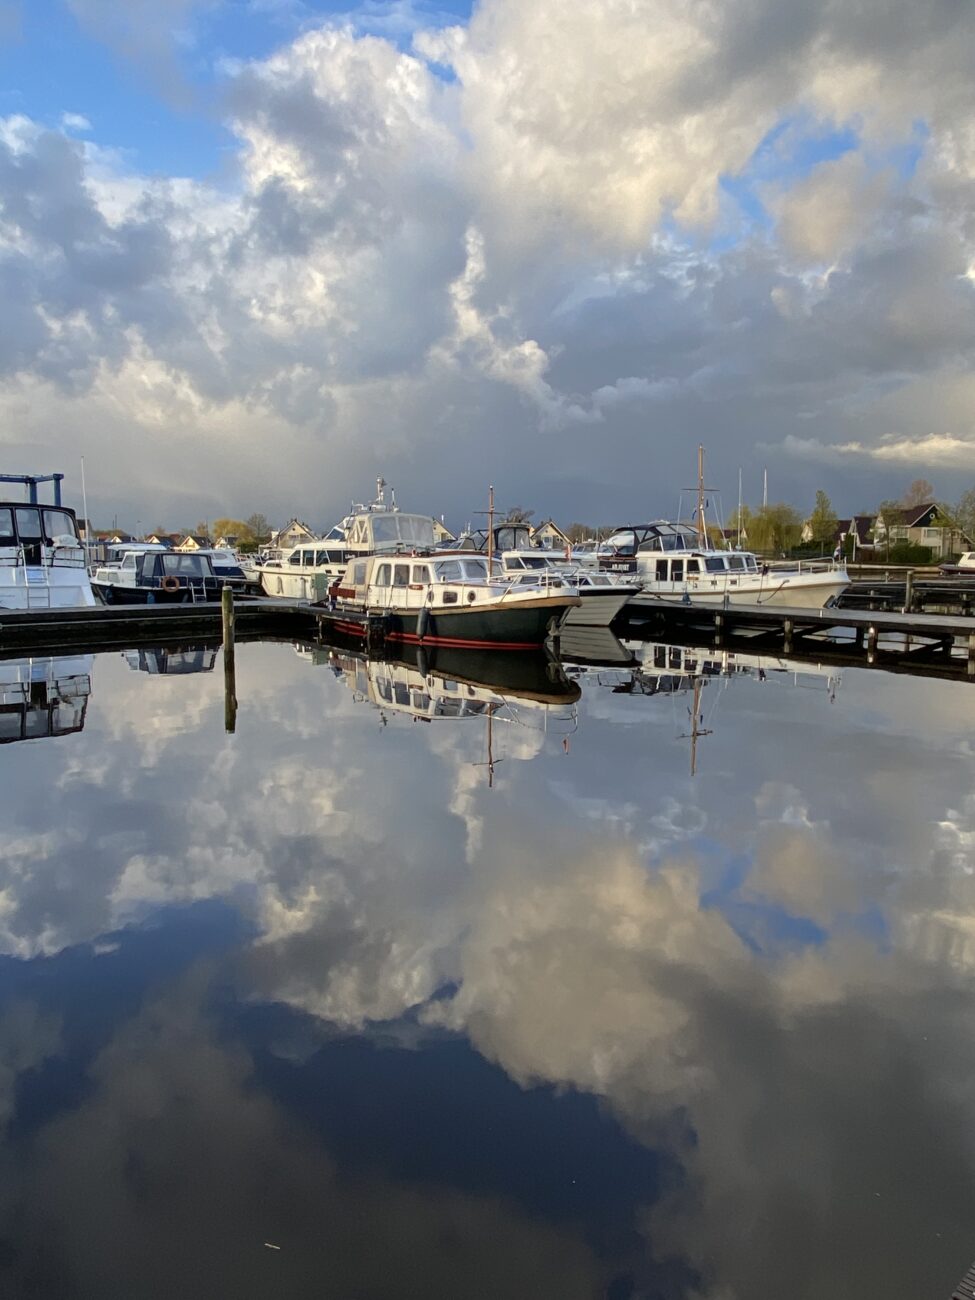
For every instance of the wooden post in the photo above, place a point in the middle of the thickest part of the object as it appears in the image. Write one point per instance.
(971, 655)
(229, 665)
(909, 591)
(871, 644)
(787, 638)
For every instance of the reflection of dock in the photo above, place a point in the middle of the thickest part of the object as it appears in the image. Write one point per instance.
(923, 644)
(43, 697)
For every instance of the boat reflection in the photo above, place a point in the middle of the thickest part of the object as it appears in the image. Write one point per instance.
(171, 660)
(527, 690)
(41, 698)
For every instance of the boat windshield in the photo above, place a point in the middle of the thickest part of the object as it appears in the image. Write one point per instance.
(185, 566)
(410, 530)
(621, 543)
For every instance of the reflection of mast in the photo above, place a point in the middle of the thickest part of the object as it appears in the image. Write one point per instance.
(490, 764)
(697, 727)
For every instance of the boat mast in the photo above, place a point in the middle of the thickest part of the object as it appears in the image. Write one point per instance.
(490, 536)
(702, 528)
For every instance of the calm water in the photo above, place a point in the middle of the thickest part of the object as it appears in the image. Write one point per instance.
(574, 1024)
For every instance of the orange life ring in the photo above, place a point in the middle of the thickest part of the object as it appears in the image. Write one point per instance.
(169, 583)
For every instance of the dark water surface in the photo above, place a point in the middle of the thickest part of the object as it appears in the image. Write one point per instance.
(331, 1007)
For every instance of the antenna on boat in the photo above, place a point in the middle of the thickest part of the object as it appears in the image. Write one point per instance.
(490, 536)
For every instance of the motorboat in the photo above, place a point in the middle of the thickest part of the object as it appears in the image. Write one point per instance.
(963, 567)
(43, 697)
(675, 564)
(377, 527)
(42, 559)
(602, 595)
(157, 577)
(451, 600)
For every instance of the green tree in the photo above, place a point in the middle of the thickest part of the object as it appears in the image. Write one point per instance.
(741, 521)
(823, 520)
(964, 513)
(775, 528)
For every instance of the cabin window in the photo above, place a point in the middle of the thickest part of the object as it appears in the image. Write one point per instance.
(321, 557)
(58, 523)
(715, 564)
(450, 597)
(383, 575)
(294, 557)
(751, 563)
(735, 562)
(449, 571)
(401, 575)
(475, 570)
(129, 561)
(358, 575)
(185, 566)
(7, 537)
(421, 573)
(677, 570)
(693, 566)
(516, 562)
(28, 525)
(661, 570)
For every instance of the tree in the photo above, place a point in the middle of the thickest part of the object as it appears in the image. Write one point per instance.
(823, 520)
(964, 513)
(775, 528)
(232, 528)
(517, 515)
(259, 527)
(740, 521)
(919, 493)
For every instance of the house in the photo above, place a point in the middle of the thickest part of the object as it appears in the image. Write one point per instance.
(921, 525)
(551, 536)
(164, 539)
(293, 534)
(228, 543)
(113, 537)
(441, 533)
(194, 542)
(858, 529)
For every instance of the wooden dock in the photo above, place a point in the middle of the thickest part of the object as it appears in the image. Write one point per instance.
(113, 627)
(934, 644)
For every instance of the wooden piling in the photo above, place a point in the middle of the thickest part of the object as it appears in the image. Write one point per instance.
(908, 591)
(229, 664)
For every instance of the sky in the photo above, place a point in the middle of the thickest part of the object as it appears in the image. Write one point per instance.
(255, 253)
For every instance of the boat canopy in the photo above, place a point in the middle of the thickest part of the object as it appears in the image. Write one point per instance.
(390, 530)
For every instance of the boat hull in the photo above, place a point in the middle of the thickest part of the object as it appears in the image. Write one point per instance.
(796, 591)
(111, 594)
(599, 606)
(513, 626)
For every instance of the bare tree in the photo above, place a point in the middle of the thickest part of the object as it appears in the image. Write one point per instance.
(919, 493)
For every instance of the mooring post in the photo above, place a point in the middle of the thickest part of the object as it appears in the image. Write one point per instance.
(871, 644)
(787, 638)
(971, 655)
(909, 591)
(229, 666)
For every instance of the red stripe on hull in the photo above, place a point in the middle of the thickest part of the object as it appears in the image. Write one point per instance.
(412, 639)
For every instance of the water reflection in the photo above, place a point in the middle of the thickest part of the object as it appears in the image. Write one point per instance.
(43, 697)
(157, 660)
(601, 1031)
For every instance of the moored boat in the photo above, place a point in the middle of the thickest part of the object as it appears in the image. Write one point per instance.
(673, 562)
(450, 600)
(157, 577)
(42, 559)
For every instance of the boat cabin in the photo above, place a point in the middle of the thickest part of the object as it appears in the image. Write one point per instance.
(42, 558)
(176, 574)
(381, 531)
(375, 582)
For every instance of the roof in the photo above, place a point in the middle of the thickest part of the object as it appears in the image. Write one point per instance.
(862, 525)
(911, 516)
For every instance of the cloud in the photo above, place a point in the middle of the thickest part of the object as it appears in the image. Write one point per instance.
(534, 263)
(940, 449)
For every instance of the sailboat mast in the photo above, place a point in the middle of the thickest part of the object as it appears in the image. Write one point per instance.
(490, 536)
(702, 528)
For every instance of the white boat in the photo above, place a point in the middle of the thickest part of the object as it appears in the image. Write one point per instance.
(376, 528)
(676, 563)
(42, 559)
(673, 564)
(157, 576)
(443, 599)
(602, 595)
